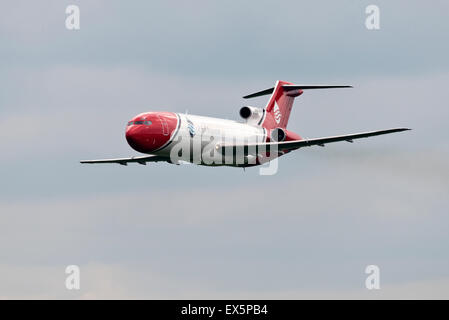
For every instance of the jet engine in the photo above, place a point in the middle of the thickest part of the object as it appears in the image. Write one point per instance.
(252, 115)
(278, 135)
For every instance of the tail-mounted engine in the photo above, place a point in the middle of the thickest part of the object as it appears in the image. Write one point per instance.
(278, 135)
(252, 115)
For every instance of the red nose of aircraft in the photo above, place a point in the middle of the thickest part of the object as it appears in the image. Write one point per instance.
(151, 131)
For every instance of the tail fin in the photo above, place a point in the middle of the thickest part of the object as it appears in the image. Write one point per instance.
(281, 101)
(280, 105)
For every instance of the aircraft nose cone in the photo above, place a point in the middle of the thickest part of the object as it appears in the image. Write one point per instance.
(129, 135)
(150, 132)
(134, 138)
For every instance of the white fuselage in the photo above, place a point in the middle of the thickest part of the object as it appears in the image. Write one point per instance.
(197, 136)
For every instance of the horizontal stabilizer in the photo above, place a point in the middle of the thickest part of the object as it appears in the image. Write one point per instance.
(288, 87)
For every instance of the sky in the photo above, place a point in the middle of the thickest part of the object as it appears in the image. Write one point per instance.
(173, 232)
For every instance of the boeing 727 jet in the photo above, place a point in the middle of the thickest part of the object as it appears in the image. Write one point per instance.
(261, 137)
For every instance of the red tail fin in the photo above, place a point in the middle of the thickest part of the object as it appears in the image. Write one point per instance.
(279, 106)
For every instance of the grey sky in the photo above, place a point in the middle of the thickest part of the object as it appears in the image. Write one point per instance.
(165, 231)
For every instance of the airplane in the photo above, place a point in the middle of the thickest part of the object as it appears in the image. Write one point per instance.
(261, 137)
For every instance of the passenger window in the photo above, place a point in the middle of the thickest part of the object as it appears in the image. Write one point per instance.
(138, 122)
(148, 122)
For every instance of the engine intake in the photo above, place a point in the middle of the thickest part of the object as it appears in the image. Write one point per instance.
(245, 112)
(252, 115)
(278, 135)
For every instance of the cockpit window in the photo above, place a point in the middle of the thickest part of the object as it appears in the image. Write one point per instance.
(147, 123)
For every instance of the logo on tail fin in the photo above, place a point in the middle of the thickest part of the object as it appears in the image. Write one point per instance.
(277, 113)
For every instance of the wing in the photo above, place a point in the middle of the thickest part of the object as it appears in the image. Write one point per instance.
(124, 161)
(295, 144)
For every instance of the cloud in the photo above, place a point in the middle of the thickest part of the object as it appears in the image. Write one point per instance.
(165, 231)
(198, 242)
(110, 281)
(314, 40)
